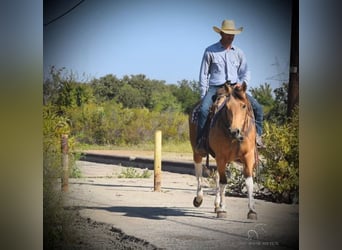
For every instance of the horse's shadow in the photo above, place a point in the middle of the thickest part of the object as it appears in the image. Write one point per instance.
(168, 213)
(154, 213)
(158, 213)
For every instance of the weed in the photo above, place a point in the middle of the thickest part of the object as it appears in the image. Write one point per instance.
(133, 173)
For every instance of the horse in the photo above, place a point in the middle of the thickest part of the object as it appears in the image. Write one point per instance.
(231, 138)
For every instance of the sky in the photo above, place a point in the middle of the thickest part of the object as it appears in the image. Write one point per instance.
(164, 39)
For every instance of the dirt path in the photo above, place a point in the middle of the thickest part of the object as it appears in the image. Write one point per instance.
(113, 210)
(88, 234)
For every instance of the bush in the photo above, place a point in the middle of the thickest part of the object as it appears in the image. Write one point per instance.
(111, 124)
(55, 219)
(281, 174)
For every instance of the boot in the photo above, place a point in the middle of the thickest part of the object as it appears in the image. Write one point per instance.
(259, 142)
(200, 146)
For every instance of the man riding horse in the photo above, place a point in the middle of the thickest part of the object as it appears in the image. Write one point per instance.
(223, 63)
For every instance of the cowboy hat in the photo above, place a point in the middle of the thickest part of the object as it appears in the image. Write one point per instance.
(228, 27)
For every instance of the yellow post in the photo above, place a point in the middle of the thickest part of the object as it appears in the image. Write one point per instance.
(65, 163)
(157, 161)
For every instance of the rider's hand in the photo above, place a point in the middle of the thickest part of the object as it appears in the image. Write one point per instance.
(238, 85)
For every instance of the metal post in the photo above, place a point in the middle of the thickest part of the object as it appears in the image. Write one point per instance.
(65, 163)
(157, 161)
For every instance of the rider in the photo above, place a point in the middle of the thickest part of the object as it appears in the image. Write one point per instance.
(224, 62)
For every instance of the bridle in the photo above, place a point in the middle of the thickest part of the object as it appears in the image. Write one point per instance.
(249, 119)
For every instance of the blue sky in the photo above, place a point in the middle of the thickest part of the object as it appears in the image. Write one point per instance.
(164, 39)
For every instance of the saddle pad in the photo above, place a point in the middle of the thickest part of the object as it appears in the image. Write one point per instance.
(194, 115)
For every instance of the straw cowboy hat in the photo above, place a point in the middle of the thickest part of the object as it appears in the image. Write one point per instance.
(228, 27)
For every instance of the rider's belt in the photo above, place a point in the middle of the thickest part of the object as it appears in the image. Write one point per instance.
(227, 82)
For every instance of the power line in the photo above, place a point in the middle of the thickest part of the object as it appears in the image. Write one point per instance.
(55, 19)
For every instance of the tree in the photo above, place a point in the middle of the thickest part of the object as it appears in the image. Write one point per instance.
(143, 85)
(51, 86)
(106, 87)
(263, 95)
(129, 97)
(62, 90)
(187, 93)
(164, 101)
(274, 106)
(278, 112)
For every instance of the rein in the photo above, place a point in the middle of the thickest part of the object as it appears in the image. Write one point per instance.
(251, 121)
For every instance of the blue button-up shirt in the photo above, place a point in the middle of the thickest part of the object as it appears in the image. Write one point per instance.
(220, 65)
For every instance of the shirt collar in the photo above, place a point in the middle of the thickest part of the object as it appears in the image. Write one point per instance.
(221, 46)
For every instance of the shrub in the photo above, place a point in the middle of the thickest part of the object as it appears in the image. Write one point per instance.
(55, 219)
(281, 174)
(174, 126)
(236, 180)
(110, 123)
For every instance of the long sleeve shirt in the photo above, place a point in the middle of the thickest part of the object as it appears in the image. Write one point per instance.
(220, 65)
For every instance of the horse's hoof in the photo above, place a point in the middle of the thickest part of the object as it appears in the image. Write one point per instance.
(218, 209)
(197, 203)
(221, 214)
(252, 215)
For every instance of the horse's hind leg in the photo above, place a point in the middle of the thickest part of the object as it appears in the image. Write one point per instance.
(198, 171)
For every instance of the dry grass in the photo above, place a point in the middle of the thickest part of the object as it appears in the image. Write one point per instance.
(179, 147)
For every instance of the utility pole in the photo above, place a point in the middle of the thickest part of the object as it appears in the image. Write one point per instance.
(293, 91)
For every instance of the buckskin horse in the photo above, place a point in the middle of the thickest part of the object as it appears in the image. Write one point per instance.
(231, 138)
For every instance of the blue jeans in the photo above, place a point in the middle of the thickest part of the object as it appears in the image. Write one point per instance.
(258, 113)
(208, 101)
